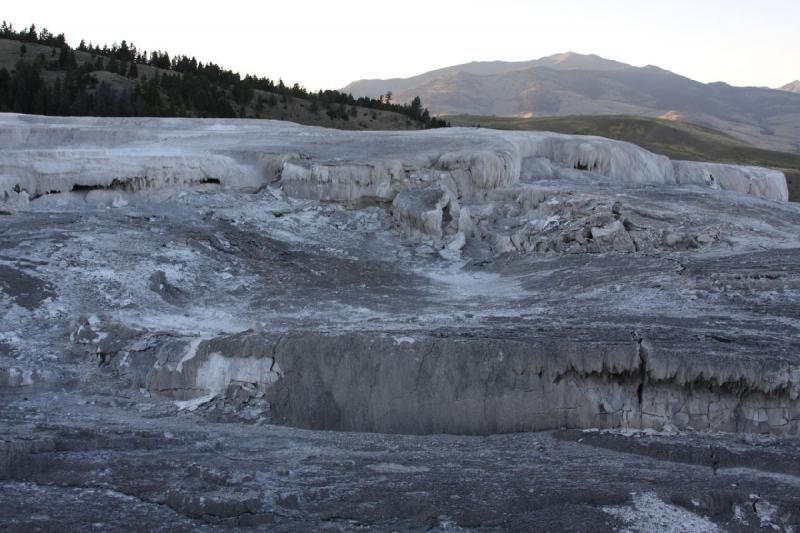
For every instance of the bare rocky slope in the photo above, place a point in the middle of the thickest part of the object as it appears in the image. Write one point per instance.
(186, 304)
(575, 84)
(793, 87)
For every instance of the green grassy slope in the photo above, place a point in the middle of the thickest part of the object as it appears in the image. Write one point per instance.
(674, 139)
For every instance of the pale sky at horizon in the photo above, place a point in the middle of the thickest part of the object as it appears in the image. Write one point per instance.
(329, 44)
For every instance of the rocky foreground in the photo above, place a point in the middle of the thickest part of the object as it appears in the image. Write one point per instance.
(537, 331)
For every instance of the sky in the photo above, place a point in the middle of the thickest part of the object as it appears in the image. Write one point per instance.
(326, 44)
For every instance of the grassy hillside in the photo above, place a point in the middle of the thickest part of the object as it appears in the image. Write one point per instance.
(41, 74)
(674, 139)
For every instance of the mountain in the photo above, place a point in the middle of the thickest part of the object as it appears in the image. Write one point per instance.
(567, 61)
(793, 87)
(576, 84)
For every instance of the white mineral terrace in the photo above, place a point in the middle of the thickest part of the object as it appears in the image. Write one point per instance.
(40, 155)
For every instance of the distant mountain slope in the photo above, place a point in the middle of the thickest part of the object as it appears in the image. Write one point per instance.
(567, 61)
(793, 87)
(574, 84)
(677, 140)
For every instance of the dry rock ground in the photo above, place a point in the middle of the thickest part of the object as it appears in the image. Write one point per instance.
(118, 461)
(250, 324)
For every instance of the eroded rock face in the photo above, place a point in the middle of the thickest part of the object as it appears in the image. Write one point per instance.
(477, 385)
(427, 213)
(199, 367)
(755, 181)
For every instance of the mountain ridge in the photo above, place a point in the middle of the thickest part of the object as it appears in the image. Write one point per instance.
(565, 60)
(578, 84)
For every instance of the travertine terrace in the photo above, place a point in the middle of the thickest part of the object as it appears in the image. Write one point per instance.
(239, 284)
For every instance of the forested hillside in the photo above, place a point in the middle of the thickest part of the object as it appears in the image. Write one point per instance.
(40, 73)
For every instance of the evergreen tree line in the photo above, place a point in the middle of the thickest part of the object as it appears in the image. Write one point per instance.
(187, 87)
(76, 93)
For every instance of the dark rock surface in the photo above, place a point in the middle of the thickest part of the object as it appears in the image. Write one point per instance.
(122, 462)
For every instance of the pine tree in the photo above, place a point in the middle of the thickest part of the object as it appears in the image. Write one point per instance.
(415, 109)
(25, 83)
(66, 58)
(5, 87)
(113, 65)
